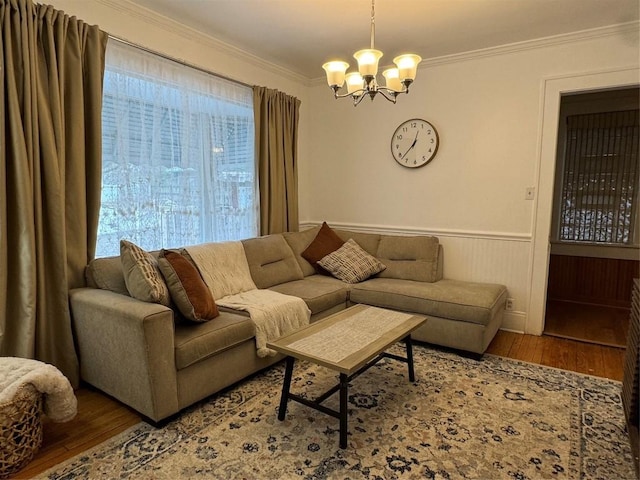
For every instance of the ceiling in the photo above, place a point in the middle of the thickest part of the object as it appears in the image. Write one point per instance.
(300, 35)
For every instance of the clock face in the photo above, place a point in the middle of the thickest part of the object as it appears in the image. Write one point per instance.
(414, 143)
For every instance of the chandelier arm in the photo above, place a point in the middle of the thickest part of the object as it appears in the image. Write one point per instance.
(354, 94)
(357, 100)
(388, 94)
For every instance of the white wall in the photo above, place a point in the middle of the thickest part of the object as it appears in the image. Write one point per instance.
(488, 108)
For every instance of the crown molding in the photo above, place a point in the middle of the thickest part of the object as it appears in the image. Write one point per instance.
(554, 40)
(148, 16)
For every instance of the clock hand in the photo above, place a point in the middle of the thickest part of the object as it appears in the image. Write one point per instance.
(412, 145)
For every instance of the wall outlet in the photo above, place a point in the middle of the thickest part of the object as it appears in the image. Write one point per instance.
(530, 193)
(509, 304)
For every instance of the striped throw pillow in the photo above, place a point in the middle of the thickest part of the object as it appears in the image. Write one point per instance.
(142, 275)
(351, 264)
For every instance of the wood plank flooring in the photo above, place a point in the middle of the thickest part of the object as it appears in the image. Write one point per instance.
(588, 323)
(582, 357)
(100, 417)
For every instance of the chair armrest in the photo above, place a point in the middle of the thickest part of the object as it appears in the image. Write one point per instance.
(126, 349)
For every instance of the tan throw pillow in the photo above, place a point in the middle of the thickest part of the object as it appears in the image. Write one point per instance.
(187, 288)
(141, 274)
(351, 264)
(326, 241)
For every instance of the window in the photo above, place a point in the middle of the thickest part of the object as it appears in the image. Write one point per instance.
(600, 178)
(178, 155)
(597, 190)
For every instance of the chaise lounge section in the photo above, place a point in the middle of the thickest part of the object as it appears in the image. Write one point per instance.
(142, 354)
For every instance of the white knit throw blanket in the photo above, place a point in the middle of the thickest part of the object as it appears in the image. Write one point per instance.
(274, 314)
(223, 267)
(225, 270)
(59, 403)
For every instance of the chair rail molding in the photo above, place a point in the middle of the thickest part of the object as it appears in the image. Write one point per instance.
(438, 232)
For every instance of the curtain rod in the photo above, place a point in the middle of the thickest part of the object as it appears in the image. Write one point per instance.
(181, 62)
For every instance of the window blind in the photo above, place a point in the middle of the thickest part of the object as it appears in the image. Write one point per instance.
(178, 154)
(600, 178)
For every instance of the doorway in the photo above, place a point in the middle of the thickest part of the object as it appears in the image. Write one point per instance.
(595, 229)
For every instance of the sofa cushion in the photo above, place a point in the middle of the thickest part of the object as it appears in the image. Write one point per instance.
(319, 292)
(351, 264)
(299, 241)
(142, 275)
(106, 274)
(271, 261)
(187, 289)
(409, 258)
(368, 241)
(463, 301)
(326, 241)
(195, 342)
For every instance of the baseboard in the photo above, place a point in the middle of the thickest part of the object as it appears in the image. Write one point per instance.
(514, 322)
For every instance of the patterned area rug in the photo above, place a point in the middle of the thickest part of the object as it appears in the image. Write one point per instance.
(488, 419)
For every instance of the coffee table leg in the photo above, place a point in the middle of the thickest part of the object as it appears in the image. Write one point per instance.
(344, 390)
(407, 340)
(282, 411)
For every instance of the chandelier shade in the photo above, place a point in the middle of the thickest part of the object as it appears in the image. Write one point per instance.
(392, 78)
(354, 82)
(368, 61)
(335, 72)
(363, 82)
(407, 65)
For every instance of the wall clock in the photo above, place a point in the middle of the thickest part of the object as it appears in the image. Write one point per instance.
(414, 143)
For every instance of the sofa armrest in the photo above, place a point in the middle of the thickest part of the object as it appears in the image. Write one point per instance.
(126, 349)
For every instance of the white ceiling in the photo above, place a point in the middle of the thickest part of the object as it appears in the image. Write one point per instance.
(300, 35)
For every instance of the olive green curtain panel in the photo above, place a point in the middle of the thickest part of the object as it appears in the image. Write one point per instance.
(276, 130)
(50, 175)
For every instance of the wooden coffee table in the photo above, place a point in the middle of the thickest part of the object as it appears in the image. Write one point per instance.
(349, 342)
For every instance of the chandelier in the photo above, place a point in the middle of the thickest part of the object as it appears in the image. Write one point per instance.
(364, 82)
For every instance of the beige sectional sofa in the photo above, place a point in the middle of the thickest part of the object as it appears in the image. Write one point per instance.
(138, 353)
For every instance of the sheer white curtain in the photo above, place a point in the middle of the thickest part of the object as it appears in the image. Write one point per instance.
(178, 154)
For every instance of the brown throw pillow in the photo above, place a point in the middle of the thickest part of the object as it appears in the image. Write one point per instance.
(326, 242)
(187, 288)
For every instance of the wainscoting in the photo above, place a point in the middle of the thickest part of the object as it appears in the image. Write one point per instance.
(475, 256)
(589, 298)
(595, 281)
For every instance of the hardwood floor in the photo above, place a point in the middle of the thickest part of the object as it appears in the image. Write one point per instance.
(589, 323)
(582, 357)
(100, 417)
